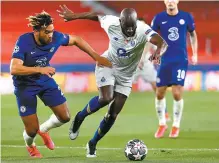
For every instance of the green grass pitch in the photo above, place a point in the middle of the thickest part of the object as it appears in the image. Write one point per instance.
(198, 141)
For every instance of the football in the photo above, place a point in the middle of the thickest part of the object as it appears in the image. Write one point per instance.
(136, 150)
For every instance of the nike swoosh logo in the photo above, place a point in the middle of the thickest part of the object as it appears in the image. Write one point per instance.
(32, 52)
(164, 22)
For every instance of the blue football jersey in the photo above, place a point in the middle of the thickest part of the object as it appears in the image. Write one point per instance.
(174, 30)
(34, 55)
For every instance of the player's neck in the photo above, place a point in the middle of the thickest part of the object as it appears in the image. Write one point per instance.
(173, 12)
(36, 38)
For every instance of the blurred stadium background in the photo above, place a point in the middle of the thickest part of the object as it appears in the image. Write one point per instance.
(75, 74)
(76, 68)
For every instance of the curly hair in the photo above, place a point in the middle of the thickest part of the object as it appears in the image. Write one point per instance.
(40, 20)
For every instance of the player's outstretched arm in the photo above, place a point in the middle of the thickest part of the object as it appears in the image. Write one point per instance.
(69, 15)
(17, 68)
(194, 44)
(161, 44)
(83, 45)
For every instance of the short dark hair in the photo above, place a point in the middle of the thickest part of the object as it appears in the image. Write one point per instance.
(141, 19)
(40, 20)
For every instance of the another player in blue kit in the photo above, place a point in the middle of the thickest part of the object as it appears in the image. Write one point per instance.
(173, 26)
(32, 77)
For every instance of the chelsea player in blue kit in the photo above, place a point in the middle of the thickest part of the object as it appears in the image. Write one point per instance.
(173, 26)
(32, 77)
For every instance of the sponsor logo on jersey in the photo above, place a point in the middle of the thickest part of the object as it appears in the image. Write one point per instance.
(164, 22)
(115, 38)
(148, 31)
(41, 62)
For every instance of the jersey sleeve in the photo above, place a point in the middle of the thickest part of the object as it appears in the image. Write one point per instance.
(148, 32)
(155, 24)
(64, 38)
(19, 49)
(106, 21)
(191, 23)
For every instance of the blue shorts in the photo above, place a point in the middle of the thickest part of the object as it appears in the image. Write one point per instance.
(49, 93)
(173, 73)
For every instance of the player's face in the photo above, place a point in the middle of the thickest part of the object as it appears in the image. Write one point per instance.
(45, 34)
(128, 28)
(171, 4)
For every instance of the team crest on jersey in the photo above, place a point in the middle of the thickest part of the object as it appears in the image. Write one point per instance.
(22, 109)
(16, 49)
(103, 79)
(181, 21)
(158, 80)
(52, 49)
(132, 43)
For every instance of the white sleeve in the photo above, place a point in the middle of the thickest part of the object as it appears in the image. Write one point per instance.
(107, 20)
(148, 32)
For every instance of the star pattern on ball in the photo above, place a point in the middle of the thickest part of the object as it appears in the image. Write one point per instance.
(138, 156)
(137, 145)
(128, 151)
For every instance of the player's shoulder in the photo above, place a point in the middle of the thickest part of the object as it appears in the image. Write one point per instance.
(160, 15)
(113, 20)
(26, 37)
(59, 35)
(142, 25)
(184, 13)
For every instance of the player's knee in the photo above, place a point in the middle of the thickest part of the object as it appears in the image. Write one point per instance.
(177, 95)
(160, 95)
(105, 100)
(32, 132)
(65, 119)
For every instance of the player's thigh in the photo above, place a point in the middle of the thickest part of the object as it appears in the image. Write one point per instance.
(26, 100)
(136, 75)
(149, 74)
(105, 82)
(104, 76)
(31, 124)
(117, 104)
(62, 112)
(179, 73)
(164, 75)
(106, 94)
(51, 94)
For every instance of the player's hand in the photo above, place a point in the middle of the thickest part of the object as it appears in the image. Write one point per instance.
(155, 58)
(194, 59)
(102, 61)
(49, 71)
(66, 13)
(141, 65)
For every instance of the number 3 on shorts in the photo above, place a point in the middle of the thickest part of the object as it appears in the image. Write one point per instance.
(181, 74)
